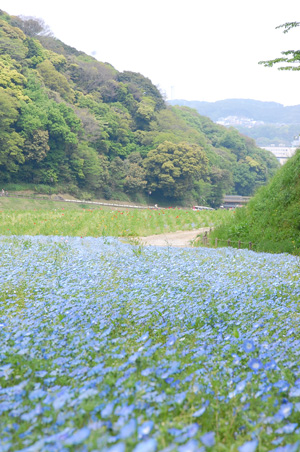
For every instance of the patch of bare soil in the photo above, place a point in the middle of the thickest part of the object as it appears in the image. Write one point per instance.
(178, 239)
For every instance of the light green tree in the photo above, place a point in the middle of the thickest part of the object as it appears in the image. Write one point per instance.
(11, 142)
(172, 169)
(55, 80)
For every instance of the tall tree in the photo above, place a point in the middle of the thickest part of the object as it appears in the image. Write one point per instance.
(11, 142)
(173, 168)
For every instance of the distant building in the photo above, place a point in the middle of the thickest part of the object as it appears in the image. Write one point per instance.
(239, 121)
(282, 153)
(232, 201)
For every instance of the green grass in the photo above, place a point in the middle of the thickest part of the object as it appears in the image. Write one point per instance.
(38, 217)
(271, 220)
(7, 203)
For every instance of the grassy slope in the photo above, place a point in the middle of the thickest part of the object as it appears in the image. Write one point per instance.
(272, 218)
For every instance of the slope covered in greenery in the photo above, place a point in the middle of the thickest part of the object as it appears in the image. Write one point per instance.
(276, 124)
(69, 122)
(271, 220)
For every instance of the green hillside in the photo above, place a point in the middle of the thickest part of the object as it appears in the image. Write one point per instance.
(272, 134)
(276, 124)
(271, 220)
(73, 124)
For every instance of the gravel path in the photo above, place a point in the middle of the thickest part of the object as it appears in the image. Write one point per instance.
(179, 238)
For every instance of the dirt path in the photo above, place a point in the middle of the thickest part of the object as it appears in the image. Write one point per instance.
(179, 238)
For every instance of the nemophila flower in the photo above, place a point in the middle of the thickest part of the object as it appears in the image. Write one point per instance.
(119, 447)
(255, 364)
(76, 325)
(128, 429)
(6, 446)
(248, 346)
(148, 445)
(145, 429)
(270, 365)
(294, 392)
(249, 446)
(208, 439)
(78, 437)
(288, 428)
(171, 341)
(41, 373)
(236, 359)
(278, 441)
(33, 414)
(144, 337)
(297, 407)
(175, 431)
(6, 371)
(146, 372)
(37, 394)
(282, 385)
(286, 410)
(107, 411)
(241, 386)
(191, 446)
(192, 429)
(199, 412)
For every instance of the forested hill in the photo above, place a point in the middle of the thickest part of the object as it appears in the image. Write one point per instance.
(268, 123)
(71, 123)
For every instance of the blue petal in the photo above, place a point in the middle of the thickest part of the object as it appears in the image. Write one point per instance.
(249, 446)
(148, 445)
(78, 437)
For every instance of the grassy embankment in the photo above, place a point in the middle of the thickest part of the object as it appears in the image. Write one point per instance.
(41, 217)
(271, 220)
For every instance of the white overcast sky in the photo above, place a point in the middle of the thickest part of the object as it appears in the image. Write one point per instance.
(191, 49)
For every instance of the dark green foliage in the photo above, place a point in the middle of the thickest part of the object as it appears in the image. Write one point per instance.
(249, 166)
(11, 154)
(135, 180)
(68, 119)
(244, 179)
(141, 86)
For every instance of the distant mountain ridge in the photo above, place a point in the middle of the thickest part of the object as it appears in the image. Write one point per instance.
(269, 112)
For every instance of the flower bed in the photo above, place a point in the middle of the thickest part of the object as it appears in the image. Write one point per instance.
(104, 348)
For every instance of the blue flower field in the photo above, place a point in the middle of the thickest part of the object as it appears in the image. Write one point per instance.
(114, 347)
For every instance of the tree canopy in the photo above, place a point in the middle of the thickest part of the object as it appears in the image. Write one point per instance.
(173, 168)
